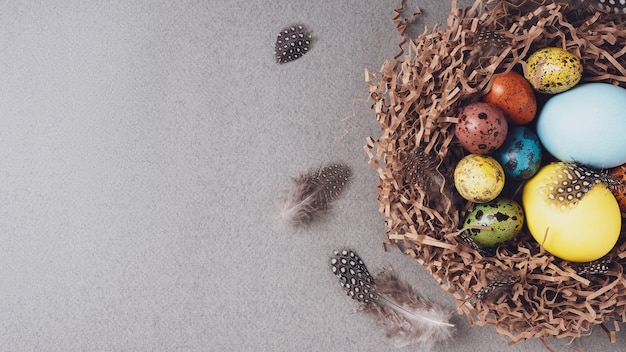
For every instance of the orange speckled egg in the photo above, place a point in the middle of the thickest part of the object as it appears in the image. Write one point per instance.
(482, 128)
(619, 191)
(512, 93)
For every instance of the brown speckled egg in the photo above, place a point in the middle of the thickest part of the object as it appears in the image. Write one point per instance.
(481, 128)
(619, 190)
(512, 93)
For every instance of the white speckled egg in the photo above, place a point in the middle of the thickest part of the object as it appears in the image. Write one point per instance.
(586, 125)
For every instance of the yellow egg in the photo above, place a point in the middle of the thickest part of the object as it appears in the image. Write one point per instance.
(553, 70)
(571, 213)
(478, 178)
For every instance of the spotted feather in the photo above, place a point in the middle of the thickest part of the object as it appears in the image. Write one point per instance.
(292, 43)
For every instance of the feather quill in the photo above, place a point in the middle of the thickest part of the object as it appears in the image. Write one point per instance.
(311, 194)
(405, 316)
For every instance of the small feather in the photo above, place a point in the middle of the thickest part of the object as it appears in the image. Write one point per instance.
(484, 251)
(312, 193)
(292, 43)
(600, 266)
(501, 284)
(353, 276)
(489, 43)
(426, 172)
(574, 6)
(406, 317)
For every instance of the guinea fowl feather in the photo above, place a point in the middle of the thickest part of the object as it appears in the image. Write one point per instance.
(426, 172)
(571, 5)
(312, 193)
(405, 316)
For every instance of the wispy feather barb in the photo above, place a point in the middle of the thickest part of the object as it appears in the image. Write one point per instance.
(405, 316)
(312, 193)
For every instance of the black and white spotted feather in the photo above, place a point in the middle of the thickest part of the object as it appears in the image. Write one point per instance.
(312, 193)
(614, 6)
(600, 266)
(405, 316)
(488, 44)
(500, 284)
(292, 43)
(353, 276)
(607, 6)
(484, 251)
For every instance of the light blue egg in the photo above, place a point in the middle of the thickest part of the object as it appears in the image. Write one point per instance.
(520, 154)
(586, 124)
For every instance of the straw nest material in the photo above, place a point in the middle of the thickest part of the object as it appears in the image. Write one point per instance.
(521, 290)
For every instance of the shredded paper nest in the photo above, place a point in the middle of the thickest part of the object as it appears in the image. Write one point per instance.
(416, 97)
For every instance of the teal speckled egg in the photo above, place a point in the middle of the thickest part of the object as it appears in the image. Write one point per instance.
(520, 155)
(553, 70)
(504, 216)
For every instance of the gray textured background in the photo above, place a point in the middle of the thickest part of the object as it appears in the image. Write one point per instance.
(144, 147)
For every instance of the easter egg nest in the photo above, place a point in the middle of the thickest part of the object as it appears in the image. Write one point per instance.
(520, 289)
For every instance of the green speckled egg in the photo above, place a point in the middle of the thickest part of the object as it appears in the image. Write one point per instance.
(504, 216)
(553, 70)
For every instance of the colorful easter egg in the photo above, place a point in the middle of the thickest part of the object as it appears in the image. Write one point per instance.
(481, 128)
